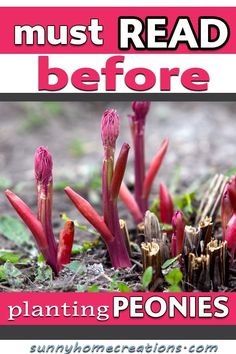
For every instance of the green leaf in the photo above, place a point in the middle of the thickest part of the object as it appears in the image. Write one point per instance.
(166, 227)
(5, 182)
(54, 108)
(174, 277)
(61, 185)
(174, 289)
(113, 283)
(231, 172)
(6, 255)
(77, 148)
(10, 270)
(24, 261)
(12, 275)
(76, 267)
(86, 246)
(40, 258)
(44, 273)
(169, 262)
(147, 277)
(123, 287)
(81, 227)
(80, 288)
(15, 231)
(135, 247)
(184, 202)
(2, 274)
(155, 206)
(33, 122)
(93, 289)
(76, 249)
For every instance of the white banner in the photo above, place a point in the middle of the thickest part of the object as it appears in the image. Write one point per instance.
(117, 346)
(20, 73)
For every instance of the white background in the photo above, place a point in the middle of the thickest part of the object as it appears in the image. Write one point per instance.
(23, 346)
(23, 77)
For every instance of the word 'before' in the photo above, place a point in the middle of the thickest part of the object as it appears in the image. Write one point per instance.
(137, 79)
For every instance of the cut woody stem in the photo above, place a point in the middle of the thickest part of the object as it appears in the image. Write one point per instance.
(41, 226)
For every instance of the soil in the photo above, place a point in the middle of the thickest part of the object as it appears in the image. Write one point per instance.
(202, 143)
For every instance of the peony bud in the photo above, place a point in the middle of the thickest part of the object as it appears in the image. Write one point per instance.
(140, 109)
(43, 167)
(110, 128)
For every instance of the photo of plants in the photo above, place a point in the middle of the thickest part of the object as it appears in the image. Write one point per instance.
(117, 196)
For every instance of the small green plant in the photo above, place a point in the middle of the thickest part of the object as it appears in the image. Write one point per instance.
(184, 202)
(147, 278)
(5, 182)
(174, 279)
(10, 256)
(77, 148)
(11, 274)
(114, 285)
(13, 230)
(39, 115)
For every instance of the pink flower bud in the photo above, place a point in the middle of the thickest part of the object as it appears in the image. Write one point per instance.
(110, 128)
(141, 110)
(43, 166)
